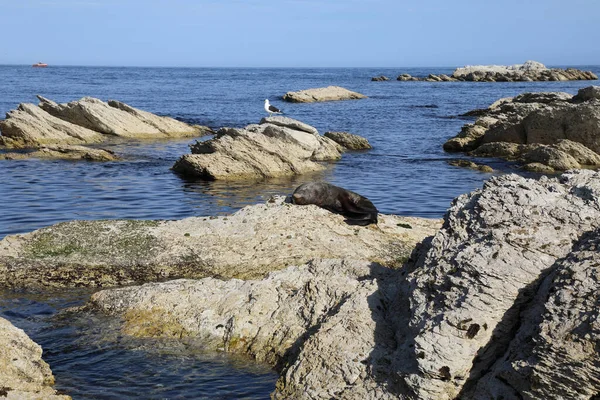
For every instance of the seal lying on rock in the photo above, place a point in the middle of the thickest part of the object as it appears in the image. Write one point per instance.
(357, 209)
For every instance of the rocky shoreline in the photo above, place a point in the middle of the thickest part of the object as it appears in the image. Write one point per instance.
(349, 312)
(530, 71)
(545, 132)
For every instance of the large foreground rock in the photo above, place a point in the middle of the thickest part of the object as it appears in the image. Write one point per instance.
(23, 373)
(86, 121)
(527, 72)
(279, 146)
(501, 303)
(555, 129)
(329, 93)
(246, 244)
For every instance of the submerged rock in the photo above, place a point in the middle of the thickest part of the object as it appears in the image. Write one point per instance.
(471, 165)
(503, 298)
(247, 244)
(86, 121)
(279, 146)
(555, 129)
(349, 140)
(64, 152)
(23, 373)
(330, 93)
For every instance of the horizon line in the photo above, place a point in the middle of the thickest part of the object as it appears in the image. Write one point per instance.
(273, 67)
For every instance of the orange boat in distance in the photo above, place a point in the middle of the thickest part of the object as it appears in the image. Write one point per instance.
(40, 65)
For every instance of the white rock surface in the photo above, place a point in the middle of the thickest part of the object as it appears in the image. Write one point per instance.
(481, 269)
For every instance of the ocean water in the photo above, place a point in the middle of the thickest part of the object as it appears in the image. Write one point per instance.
(406, 173)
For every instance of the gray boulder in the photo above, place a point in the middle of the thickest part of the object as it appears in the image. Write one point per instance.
(118, 119)
(330, 93)
(279, 146)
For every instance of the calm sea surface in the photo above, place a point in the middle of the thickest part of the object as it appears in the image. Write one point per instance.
(406, 173)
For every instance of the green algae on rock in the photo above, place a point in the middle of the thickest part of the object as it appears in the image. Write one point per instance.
(247, 244)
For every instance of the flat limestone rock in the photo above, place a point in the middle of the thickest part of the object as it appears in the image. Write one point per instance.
(259, 151)
(30, 126)
(64, 152)
(330, 93)
(23, 373)
(118, 119)
(247, 244)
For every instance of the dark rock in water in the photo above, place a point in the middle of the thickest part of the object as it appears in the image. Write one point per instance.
(349, 141)
(357, 209)
(380, 78)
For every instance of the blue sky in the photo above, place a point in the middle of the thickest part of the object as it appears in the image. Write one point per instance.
(299, 33)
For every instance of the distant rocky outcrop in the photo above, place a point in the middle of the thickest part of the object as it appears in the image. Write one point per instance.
(501, 303)
(24, 374)
(247, 244)
(64, 152)
(349, 141)
(543, 131)
(86, 121)
(527, 72)
(380, 78)
(330, 93)
(278, 146)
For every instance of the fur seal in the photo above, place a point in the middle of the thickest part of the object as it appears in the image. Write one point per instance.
(357, 209)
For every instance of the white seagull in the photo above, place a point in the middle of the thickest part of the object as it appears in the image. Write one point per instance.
(271, 109)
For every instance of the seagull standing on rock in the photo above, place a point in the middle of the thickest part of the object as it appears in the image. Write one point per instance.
(271, 109)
